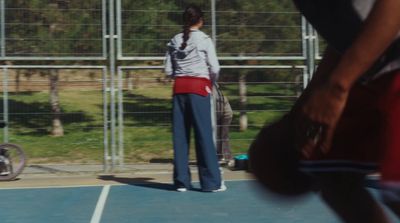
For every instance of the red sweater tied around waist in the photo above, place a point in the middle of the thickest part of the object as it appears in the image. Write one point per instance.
(192, 85)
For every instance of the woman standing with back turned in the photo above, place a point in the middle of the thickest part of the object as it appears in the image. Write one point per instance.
(192, 62)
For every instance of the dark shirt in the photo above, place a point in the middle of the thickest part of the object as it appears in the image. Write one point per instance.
(340, 21)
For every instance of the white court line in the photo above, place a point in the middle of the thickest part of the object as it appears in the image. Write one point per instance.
(100, 205)
(50, 187)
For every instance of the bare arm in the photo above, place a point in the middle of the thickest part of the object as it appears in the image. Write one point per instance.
(328, 96)
(329, 61)
(379, 31)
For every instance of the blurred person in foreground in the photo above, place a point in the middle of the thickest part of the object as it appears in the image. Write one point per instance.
(346, 123)
(352, 105)
(192, 62)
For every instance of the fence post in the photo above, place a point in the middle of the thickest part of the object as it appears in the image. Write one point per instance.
(120, 119)
(310, 55)
(214, 22)
(105, 120)
(2, 29)
(112, 82)
(5, 104)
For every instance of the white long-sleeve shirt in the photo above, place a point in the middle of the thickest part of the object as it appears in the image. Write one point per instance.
(198, 59)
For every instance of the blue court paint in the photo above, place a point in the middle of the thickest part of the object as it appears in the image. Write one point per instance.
(51, 205)
(243, 202)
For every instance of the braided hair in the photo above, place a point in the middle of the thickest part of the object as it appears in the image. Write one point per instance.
(191, 16)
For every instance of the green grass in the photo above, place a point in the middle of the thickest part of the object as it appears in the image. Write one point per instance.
(74, 147)
(147, 122)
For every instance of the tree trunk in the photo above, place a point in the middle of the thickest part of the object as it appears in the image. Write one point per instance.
(136, 80)
(129, 81)
(17, 81)
(299, 85)
(57, 127)
(243, 102)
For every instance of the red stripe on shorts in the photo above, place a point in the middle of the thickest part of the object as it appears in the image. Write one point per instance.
(390, 167)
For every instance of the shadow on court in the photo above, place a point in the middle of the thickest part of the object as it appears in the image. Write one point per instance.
(143, 182)
(139, 182)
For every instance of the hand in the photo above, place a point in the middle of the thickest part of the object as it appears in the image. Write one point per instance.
(318, 118)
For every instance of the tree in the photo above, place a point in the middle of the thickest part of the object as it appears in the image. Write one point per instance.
(73, 27)
(54, 28)
(242, 101)
(147, 26)
(57, 127)
(256, 28)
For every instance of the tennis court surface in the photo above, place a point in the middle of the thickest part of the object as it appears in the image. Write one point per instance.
(142, 199)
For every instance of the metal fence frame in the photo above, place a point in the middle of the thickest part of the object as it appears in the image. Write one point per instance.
(112, 74)
(3, 55)
(305, 33)
(5, 68)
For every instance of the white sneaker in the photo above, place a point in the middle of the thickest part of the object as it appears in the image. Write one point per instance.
(231, 163)
(221, 189)
(181, 189)
(4, 173)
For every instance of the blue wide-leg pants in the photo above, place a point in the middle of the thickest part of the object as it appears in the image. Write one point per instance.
(192, 110)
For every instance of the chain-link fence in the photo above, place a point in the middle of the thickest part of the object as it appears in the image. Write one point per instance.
(54, 30)
(256, 94)
(267, 29)
(56, 113)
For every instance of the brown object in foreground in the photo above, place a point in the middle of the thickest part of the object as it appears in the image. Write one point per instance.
(274, 160)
